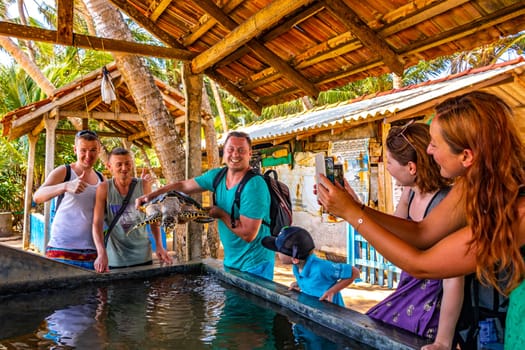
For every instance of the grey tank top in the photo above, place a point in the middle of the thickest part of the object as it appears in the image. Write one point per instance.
(126, 249)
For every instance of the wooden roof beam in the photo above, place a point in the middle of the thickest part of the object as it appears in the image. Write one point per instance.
(246, 31)
(234, 91)
(149, 24)
(158, 10)
(260, 50)
(366, 35)
(65, 22)
(135, 117)
(94, 43)
(291, 22)
(463, 31)
(208, 23)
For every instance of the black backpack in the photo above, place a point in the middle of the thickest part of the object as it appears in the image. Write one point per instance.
(67, 178)
(484, 309)
(281, 202)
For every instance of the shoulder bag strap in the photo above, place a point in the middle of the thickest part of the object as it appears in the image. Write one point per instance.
(121, 210)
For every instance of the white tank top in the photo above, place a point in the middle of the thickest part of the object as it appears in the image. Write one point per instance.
(72, 225)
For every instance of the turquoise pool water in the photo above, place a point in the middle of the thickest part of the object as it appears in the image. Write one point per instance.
(171, 312)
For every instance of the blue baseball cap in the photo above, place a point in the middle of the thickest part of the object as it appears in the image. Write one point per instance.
(293, 241)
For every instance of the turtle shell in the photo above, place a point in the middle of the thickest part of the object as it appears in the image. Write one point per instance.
(173, 208)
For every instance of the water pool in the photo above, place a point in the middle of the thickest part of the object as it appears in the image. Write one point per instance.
(178, 311)
(25, 308)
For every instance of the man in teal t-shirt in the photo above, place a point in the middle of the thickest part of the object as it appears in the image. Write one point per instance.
(242, 238)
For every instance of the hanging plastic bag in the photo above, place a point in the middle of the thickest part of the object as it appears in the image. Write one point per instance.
(107, 89)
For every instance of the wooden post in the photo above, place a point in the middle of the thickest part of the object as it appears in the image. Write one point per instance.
(388, 200)
(193, 95)
(28, 198)
(50, 125)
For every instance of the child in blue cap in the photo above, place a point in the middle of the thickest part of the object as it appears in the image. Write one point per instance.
(314, 276)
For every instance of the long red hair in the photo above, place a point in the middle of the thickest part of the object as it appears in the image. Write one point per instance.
(483, 123)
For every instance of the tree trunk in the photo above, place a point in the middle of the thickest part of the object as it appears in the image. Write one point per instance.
(210, 235)
(27, 64)
(193, 96)
(218, 103)
(159, 123)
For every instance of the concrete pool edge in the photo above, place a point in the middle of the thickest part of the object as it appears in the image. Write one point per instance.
(345, 321)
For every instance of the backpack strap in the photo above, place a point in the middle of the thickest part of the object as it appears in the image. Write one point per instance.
(66, 179)
(237, 200)
(217, 180)
(100, 176)
(121, 210)
(268, 174)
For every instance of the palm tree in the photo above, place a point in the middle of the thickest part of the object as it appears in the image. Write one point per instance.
(159, 123)
(488, 54)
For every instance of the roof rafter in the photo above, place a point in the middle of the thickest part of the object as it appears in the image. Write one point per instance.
(158, 10)
(234, 91)
(245, 31)
(444, 37)
(208, 23)
(147, 23)
(366, 35)
(260, 50)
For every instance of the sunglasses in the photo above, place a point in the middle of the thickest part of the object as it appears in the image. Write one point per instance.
(402, 133)
(82, 133)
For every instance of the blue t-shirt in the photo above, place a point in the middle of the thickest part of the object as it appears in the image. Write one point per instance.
(255, 203)
(319, 275)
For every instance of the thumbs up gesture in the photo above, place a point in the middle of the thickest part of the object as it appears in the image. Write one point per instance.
(78, 185)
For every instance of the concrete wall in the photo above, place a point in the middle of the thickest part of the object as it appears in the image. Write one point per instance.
(328, 236)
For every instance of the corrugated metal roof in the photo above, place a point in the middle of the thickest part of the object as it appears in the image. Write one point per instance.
(381, 105)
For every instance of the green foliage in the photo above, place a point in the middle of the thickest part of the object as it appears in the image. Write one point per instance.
(425, 70)
(287, 108)
(12, 176)
(17, 89)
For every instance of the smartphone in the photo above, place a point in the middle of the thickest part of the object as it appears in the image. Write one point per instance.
(339, 174)
(319, 166)
(329, 168)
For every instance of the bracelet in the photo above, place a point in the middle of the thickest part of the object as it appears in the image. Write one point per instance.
(360, 220)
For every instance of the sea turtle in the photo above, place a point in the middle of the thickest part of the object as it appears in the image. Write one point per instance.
(172, 208)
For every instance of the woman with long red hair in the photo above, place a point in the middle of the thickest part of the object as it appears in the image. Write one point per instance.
(480, 226)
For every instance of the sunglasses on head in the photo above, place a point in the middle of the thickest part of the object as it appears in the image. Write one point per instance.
(402, 133)
(87, 132)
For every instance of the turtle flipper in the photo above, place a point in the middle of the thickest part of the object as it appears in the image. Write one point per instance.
(151, 220)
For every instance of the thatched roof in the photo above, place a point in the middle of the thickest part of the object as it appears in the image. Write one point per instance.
(266, 52)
